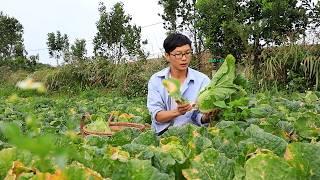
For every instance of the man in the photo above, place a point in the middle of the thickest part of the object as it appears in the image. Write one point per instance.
(165, 112)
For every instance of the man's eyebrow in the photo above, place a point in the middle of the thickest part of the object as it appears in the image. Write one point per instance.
(183, 51)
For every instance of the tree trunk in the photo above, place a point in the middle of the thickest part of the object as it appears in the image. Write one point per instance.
(197, 51)
(256, 54)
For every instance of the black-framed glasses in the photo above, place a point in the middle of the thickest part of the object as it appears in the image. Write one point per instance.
(180, 55)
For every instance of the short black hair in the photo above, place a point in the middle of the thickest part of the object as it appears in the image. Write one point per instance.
(175, 40)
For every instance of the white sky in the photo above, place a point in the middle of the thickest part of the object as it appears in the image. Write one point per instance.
(77, 19)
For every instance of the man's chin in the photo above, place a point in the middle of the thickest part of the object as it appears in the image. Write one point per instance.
(183, 67)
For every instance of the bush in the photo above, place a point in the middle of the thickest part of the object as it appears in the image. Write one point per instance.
(293, 67)
(18, 63)
(11, 77)
(129, 79)
(134, 80)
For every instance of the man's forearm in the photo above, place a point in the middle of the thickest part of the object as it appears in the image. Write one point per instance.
(167, 116)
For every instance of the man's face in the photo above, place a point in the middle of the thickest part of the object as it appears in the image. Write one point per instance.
(180, 57)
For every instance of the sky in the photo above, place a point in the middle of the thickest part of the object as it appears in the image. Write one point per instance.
(77, 19)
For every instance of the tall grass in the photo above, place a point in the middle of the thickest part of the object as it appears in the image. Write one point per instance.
(291, 68)
(129, 79)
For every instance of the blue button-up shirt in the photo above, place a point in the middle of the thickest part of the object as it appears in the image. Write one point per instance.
(159, 100)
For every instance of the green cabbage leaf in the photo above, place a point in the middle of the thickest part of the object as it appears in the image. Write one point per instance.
(221, 87)
(173, 87)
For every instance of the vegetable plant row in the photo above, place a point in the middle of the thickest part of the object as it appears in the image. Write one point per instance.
(261, 136)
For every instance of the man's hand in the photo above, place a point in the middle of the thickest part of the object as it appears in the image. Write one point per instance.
(210, 116)
(167, 116)
(183, 108)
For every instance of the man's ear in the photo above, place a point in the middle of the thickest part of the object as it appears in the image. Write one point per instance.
(167, 57)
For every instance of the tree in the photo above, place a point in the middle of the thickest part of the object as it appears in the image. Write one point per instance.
(11, 40)
(170, 14)
(247, 26)
(32, 61)
(313, 9)
(274, 23)
(58, 45)
(221, 22)
(182, 15)
(116, 37)
(316, 17)
(78, 49)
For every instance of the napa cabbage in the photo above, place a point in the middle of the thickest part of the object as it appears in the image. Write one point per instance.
(221, 87)
(99, 125)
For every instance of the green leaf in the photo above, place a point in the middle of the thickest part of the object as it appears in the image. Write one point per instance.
(220, 88)
(308, 125)
(137, 150)
(173, 87)
(185, 133)
(198, 144)
(99, 125)
(210, 164)
(268, 167)
(7, 156)
(220, 104)
(305, 158)
(147, 138)
(138, 170)
(266, 140)
(124, 136)
(42, 145)
(311, 97)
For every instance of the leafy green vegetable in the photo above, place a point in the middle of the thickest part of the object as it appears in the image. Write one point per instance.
(170, 157)
(266, 140)
(147, 138)
(186, 132)
(135, 150)
(173, 87)
(45, 136)
(220, 88)
(139, 170)
(268, 166)
(125, 136)
(210, 164)
(115, 153)
(305, 158)
(307, 125)
(7, 156)
(98, 125)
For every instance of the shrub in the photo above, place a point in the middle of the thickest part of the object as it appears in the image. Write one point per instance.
(129, 79)
(293, 67)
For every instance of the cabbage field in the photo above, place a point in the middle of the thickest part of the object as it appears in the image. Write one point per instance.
(64, 120)
(258, 136)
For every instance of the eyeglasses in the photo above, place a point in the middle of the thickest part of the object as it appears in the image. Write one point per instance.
(180, 55)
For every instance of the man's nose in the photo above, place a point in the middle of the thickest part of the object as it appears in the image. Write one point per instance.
(184, 57)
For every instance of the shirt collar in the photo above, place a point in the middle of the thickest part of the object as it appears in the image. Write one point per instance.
(165, 73)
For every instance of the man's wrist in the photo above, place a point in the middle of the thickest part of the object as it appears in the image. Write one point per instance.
(204, 119)
(176, 113)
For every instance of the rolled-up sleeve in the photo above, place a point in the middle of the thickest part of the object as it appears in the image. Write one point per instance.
(154, 100)
(196, 118)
